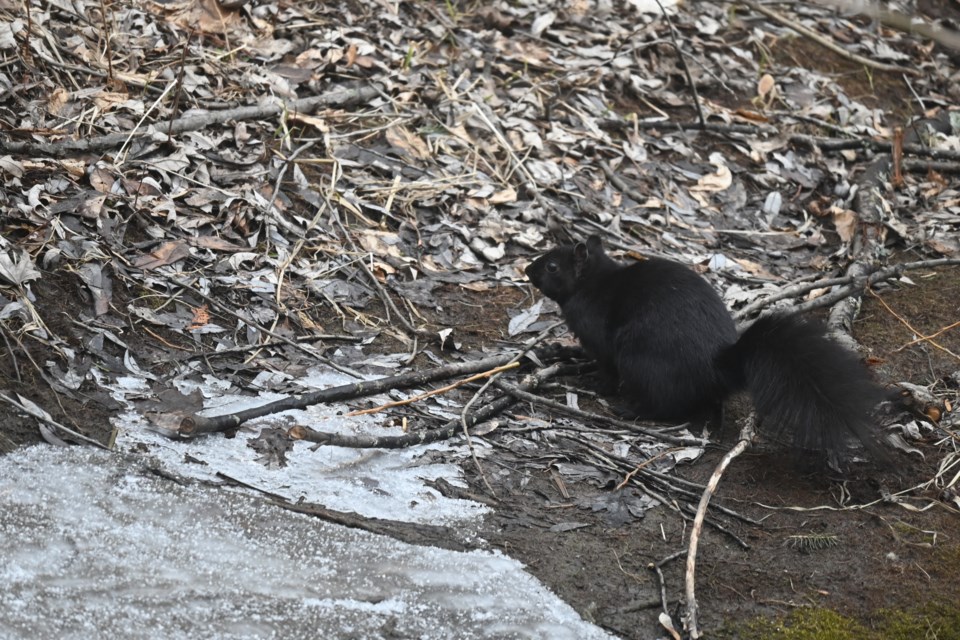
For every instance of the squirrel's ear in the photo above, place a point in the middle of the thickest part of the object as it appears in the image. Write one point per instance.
(594, 244)
(580, 254)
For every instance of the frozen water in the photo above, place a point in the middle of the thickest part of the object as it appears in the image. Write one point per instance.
(371, 482)
(96, 546)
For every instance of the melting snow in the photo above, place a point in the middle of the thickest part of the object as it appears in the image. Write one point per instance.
(98, 547)
(376, 483)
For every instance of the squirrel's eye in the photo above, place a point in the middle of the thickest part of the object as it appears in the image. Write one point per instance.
(552, 267)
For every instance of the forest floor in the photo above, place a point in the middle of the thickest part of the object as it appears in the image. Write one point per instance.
(885, 570)
(803, 552)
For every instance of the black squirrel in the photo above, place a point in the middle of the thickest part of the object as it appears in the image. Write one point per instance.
(664, 335)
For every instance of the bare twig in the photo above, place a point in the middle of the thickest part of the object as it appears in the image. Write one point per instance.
(264, 330)
(841, 144)
(848, 285)
(13, 355)
(297, 247)
(434, 392)
(192, 426)
(925, 166)
(517, 165)
(658, 569)
(906, 323)
(911, 24)
(746, 435)
(829, 44)
(926, 338)
(340, 98)
(466, 408)
(683, 63)
(412, 533)
(447, 431)
(49, 420)
(179, 85)
(594, 418)
(388, 303)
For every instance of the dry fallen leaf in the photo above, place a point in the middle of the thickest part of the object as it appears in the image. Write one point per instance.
(717, 181)
(16, 267)
(166, 253)
(201, 317)
(408, 142)
(845, 222)
(766, 87)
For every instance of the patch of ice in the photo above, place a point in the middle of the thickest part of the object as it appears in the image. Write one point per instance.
(96, 547)
(377, 483)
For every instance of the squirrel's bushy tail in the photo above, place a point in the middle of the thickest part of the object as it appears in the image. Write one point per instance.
(804, 385)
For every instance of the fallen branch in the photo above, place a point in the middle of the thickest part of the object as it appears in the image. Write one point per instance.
(683, 65)
(916, 332)
(665, 618)
(922, 337)
(848, 286)
(465, 411)
(912, 24)
(447, 431)
(413, 533)
(424, 396)
(296, 344)
(746, 435)
(829, 44)
(338, 98)
(46, 418)
(192, 426)
(925, 166)
(388, 303)
(672, 484)
(594, 418)
(843, 144)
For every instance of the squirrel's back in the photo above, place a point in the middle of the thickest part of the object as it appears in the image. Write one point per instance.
(664, 335)
(655, 326)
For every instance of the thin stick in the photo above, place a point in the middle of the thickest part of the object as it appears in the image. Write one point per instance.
(336, 98)
(517, 164)
(192, 426)
(915, 332)
(658, 568)
(683, 63)
(925, 338)
(589, 417)
(262, 329)
(912, 24)
(388, 303)
(13, 355)
(829, 44)
(466, 408)
(746, 435)
(445, 432)
(281, 269)
(798, 289)
(175, 108)
(49, 420)
(627, 478)
(423, 396)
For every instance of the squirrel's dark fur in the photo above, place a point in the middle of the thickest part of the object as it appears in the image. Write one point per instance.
(665, 336)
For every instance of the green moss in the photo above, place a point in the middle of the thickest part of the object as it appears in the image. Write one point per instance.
(938, 620)
(933, 620)
(912, 535)
(948, 559)
(807, 624)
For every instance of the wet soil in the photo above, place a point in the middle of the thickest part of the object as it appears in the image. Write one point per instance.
(812, 547)
(816, 559)
(817, 548)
